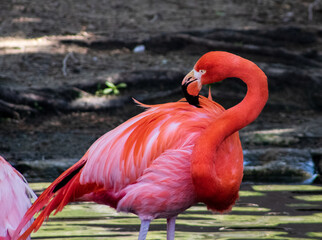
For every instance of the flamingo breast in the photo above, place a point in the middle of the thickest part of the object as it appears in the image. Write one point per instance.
(164, 190)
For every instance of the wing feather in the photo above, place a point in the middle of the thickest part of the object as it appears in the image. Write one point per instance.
(120, 156)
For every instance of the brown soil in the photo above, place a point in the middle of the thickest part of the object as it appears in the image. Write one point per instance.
(54, 44)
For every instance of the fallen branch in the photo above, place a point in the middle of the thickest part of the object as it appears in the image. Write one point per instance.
(64, 68)
(272, 43)
(11, 110)
(276, 53)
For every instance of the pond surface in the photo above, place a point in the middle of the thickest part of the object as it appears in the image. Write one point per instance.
(263, 212)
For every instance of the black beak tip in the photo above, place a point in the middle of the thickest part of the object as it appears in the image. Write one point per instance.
(192, 100)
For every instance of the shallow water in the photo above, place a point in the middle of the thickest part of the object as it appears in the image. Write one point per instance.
(262, 212)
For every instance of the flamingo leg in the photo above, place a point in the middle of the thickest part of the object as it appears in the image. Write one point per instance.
(171, 224)
(144, 228)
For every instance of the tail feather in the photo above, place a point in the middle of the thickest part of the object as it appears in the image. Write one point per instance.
(56, 196)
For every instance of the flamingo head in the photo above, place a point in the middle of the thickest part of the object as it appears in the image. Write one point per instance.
(210, 68)
(191, 86)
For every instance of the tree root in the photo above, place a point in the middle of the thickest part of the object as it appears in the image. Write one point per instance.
(16, 103)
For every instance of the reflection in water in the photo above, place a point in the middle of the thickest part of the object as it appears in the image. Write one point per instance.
(263, 212)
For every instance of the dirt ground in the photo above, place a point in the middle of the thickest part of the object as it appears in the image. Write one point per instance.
(54, 44)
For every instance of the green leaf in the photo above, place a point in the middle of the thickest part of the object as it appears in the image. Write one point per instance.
(121, 85)
(109, 84)
(116, 91)
(107, 91)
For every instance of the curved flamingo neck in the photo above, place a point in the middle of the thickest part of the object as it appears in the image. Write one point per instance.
(242, 114)
(256, 97)
(212, 169)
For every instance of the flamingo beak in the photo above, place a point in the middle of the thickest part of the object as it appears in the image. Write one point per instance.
(191, 86)
(188, 77)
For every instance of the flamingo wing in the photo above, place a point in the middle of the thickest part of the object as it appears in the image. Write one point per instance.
(120, 157)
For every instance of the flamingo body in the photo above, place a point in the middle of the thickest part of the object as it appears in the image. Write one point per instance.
(162, 161)
(14, 199)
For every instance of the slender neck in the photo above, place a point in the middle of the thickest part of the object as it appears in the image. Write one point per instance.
(242, 114)
(256, 97)
(213, 170)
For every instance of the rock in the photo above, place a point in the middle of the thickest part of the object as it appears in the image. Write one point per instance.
(317, 159)
(139, 49)
(278, 165)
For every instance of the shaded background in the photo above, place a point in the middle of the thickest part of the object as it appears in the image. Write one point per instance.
(54, 56)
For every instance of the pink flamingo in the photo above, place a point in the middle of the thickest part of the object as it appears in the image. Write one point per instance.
(15, 197)
(162, 161)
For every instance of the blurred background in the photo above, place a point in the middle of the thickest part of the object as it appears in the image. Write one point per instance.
(69, 70)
